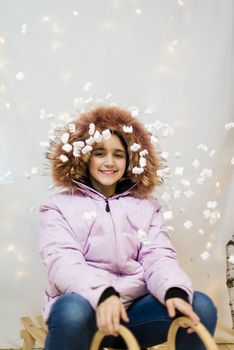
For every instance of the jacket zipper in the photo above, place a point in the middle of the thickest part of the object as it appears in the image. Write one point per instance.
(107, 205)
(116, 246)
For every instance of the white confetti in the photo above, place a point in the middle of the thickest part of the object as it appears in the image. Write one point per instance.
(200, 231)
(20, 76)
(185, 182)
(166, 196)
(106, 134)
(88, 216)
(108, 96)
(135, 147)
(188, 224)
(144, 153)
(196, 164)
(91, 129)
(44, 144)
(202, 147)
(34, 170)
(142, 235)
(142, 162)
(229, 125)
(231, 259)
(24, 28)
(212, 153)
(176, 194)
(128, 129)
(78, 145)
(97, 136)
(137, 170)
(205, 255)
(67, 147)
(189, 193)
(164, 155)
(167, 215)
(87, 86)
(154, 140)
(159, 173)
(200, 180)
(211, 204)
(90, 141)
(63, 158)
(65, 137)
(7, 178)
(179, 171)
(72, 127)
(86, 149)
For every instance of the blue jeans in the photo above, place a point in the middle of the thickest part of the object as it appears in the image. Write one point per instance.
(72, 323)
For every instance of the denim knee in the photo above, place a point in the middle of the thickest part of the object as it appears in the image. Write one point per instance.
(206, 310)
(70, 311)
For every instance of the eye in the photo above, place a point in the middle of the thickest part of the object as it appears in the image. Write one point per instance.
(120, 155)
(99, 154)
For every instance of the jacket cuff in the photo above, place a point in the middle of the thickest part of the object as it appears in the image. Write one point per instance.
(176, 292)
(108, 292)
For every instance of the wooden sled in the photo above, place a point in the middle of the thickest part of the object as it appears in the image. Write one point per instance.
(36, 333)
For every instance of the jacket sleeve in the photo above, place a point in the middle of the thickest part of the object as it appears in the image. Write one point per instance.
(62, 254)
(159, 261)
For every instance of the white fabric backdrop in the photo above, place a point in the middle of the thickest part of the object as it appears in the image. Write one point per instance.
(173, 61)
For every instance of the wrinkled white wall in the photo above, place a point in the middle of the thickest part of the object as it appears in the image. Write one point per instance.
(172, 59)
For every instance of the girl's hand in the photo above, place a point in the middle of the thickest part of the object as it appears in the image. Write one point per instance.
(184, 308)
(108, 315)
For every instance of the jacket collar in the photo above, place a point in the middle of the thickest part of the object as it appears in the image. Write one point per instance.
(122, 188)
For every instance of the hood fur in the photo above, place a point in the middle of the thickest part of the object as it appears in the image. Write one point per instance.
(70, 168)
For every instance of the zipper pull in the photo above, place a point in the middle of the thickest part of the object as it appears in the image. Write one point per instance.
(107, 205)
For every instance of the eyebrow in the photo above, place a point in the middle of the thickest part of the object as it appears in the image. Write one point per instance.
(103, 149)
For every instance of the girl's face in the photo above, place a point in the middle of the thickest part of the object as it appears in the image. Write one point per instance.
(107, 165)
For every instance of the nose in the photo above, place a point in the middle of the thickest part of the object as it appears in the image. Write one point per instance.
(108, 161)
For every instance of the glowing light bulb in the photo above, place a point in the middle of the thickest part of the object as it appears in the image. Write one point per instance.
(11, 248)
(181, 2)
(8, 105)
(56, 28)
(208, 245)
(46, 19)
(217, 184)
(2, 40)
(2, 88)
(75, 13)
(138, 11)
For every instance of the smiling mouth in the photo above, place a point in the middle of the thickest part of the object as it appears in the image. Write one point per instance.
(108, 172)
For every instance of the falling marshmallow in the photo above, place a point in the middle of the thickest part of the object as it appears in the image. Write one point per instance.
(87, 86)
(67, 147)
(63, 158)
(135, 147)
(86, 149)
(72, 127)
(205, 255)
(185, 183)
(196, 164)
(164, 155)
(97, 136)
(231, 259)
(137, 170)
(188, 224)
(189, 193)
(202, 147)
(128, 129)
(20, 76)
(200, 231)
(106, 134)
(179, 171)
(167, 215)
(144, 153)
(91, 128)
(88, 216)
(142, 162)
(229, 125)
(65, 137)
(211, 204)
(154, 140)
(34, 170)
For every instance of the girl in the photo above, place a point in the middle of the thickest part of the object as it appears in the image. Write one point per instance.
(108, 253)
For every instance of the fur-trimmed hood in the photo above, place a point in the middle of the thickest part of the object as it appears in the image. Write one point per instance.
(70, 150)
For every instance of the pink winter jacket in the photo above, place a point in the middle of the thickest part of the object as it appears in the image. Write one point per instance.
(89, 243)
